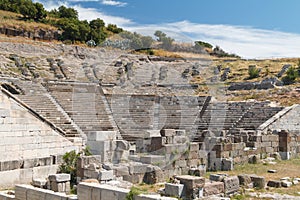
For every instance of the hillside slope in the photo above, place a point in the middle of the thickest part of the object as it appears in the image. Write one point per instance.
(128, 72)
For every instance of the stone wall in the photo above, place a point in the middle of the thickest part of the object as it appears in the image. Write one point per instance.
(250, 147)
(24, 176)
(26, 144)
(290, 121)
(86, 191)
(28, 192)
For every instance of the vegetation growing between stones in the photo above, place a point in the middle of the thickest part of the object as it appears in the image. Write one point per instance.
(69, 164)
(134, 191)
(291, 75)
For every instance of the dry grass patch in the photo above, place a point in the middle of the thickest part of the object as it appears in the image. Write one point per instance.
(239, 67)
(289, 168)
(13, 20)
(285, 96)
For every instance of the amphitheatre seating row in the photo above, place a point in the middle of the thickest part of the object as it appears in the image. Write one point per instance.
(223, 115)
(37, 97)
(137, 113)
(231, 115)
(257, 115)
(91, 110)
(84, 103)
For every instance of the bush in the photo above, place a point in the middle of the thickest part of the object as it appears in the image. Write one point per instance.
(253, 72)
(134, 191)
(69, 165)
(199, 44)
(291, 75)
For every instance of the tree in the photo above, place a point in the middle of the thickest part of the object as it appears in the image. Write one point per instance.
(41, 12)
(84, 30)
(113, 28)
(166, 42)
(69, 164)
(70, 29)
(65, 12)
(97, 32)
(160, 35)
(137, 41)
(147, 41)
(97, 24)
(28, 10)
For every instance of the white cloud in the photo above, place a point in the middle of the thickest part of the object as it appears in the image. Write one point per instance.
(104, 2)
(83, 0)
(247, 42)
(113, 3)
(89, 13)
(92, 13)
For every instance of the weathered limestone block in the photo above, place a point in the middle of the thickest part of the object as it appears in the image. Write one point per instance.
(102, 136)
(60, 182)
(167, 132)
(194, 146)
(227, 164)
(286, 183)
(213, 188)
(152, 133)
(244, 179)
(120, 170)
(231, 184)
(40, 183)
(180, 133)
(91, 174)
(174, 190)
(153, 175)
(258, 181)
(137, 168)
(283, 70)
(272, 183)
(103, 192)
(106, 175)
(122, 145)
(191, 182)
(197, 171)
(7, 195)
(86, 160)
(217, 177)
(59, 178)
(102, 148)
(152, 159)
(134, 178)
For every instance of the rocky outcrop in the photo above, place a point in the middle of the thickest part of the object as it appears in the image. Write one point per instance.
(38, 34)
(265, 84)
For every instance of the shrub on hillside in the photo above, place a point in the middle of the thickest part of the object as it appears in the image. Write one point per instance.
(253, 72)
(291, 75)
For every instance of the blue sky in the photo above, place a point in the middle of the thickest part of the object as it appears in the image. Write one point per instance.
(250, 28)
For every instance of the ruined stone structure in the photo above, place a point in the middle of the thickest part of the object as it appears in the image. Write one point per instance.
(213, 134)
(137, 113)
